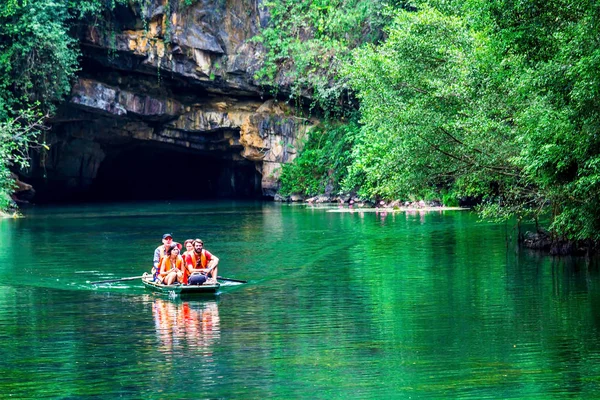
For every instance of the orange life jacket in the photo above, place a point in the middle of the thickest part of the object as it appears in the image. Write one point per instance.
(203, 263)
(166, 262)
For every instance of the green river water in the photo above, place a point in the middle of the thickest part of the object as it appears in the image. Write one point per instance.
(357, 305)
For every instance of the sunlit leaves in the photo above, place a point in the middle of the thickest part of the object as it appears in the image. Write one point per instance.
(323, 162)
(38, 56)
(427, 120)
(38, 60)
(16, 136)
(307, 41)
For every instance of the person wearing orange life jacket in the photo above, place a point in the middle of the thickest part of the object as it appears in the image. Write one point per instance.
(189, 246)
(171, 266)
(202, 264)
(159, 253)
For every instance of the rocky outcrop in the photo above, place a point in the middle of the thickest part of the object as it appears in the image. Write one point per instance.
(23, 192)
(98, 97)
(173, 77)
(557, 246)
(207, 43)
(266, 133)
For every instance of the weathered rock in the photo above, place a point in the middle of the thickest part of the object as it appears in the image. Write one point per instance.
(270, 178)
(98, 97)
(537, 240)
(344, 198)
(396, 204)
(320, 199)
(173, 77)
(280, 198)
(543, 240)
(23, 192)
(205, 43)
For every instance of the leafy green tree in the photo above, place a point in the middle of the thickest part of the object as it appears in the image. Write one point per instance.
(431, 112)
(557, 116)
(38, 60)
(38, 57)
(324, 160)
(494, 99)
(17, 135)
(308, 41)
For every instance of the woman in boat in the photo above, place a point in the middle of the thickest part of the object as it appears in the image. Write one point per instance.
(189, 247)
(171, 266)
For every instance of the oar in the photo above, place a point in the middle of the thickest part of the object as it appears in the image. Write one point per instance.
(131, 278)
(231, 280)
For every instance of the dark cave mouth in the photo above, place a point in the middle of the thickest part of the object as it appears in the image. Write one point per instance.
(158, 173)
(152, 172)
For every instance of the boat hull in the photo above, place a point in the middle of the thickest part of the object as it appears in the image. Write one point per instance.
(181, 290)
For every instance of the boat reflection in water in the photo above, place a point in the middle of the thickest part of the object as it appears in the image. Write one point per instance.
(186, 326)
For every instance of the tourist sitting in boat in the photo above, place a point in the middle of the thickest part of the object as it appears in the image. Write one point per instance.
(189, 247)
(171, 266)
(160, 252)
(201, 265)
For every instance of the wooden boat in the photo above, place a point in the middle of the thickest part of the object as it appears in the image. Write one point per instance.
(182, 290)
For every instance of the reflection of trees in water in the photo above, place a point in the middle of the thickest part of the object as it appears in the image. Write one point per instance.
(186, 326)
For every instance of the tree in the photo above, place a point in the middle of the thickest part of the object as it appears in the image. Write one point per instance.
(17, 135)
(38, 60)
(432, 117)
(495, 99)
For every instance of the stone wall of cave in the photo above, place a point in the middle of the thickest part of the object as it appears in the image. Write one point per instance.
(95, 158)
(167, 91)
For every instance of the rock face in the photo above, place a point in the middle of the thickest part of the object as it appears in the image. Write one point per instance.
(171, 84)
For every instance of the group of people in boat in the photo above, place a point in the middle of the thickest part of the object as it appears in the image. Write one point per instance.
(196, 266)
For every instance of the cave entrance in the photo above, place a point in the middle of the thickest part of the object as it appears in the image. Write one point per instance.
(155, 172)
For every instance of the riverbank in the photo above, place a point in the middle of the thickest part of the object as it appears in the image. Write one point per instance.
(556, 246)
(14, 214)
(351, 209)
(541, 241)
(348, 203)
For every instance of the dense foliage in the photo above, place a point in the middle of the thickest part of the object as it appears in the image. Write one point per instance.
(17, 137)
(38, 56)
(324, 161)
(495, 100)
(38, 59)
(308, 41)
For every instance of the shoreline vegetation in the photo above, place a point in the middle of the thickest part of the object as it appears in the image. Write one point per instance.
(10, 214)
(484, 100)
(539, 240)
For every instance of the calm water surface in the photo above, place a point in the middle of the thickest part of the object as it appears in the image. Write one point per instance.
(339, 305)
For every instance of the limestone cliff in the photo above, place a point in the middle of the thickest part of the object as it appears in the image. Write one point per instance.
(174, 82)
